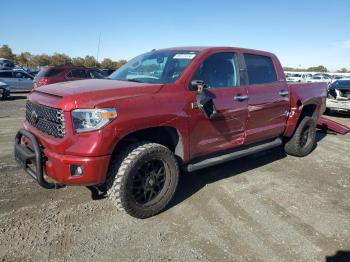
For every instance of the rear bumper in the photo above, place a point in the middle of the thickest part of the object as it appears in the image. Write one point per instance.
(38, 162)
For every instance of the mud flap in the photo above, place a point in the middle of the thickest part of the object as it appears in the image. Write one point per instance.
(326, 123)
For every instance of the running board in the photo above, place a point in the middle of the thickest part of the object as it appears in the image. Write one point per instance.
(247, 150)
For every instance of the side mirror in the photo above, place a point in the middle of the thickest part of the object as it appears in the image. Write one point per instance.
(197, 85)
(203, 101)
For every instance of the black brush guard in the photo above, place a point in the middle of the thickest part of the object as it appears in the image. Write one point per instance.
(25, 157)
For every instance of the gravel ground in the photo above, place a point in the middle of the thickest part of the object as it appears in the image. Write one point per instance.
(265, 207)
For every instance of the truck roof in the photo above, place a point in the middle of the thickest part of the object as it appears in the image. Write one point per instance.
(217, 48)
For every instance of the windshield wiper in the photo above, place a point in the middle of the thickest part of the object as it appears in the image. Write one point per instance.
(134, 80)
(127, 80)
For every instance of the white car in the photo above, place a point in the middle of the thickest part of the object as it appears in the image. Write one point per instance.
(298, 77)
(319, 78)
(294, 78)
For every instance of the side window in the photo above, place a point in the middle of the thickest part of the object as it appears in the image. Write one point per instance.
(219, 70)
(77, 73)
(18, 75)
(6, 74)
(260, 69)
(95, 74)
(22, 75)
(175, 68)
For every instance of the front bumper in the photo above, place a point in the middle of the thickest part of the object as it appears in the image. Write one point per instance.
(339, 105)
(4, 93)
(39, 162)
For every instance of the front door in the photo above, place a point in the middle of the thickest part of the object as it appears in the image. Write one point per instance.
(220, 73)
(24, 81)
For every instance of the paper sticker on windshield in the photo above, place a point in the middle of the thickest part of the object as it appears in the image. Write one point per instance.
(184, 56)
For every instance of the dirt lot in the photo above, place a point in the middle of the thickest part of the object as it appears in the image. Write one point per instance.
(266, 207)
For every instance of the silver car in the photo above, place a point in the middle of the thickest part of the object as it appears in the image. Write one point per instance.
(17, 80)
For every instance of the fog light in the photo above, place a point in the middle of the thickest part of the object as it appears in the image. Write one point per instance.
(76, 170)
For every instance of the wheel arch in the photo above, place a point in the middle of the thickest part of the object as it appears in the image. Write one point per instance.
(167, 136)
(297, 114)
(308, 110)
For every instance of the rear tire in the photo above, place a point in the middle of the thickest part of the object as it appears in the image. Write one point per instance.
(143, 179)
(303, 140)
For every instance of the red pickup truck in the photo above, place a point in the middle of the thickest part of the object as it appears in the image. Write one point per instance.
(164, 111)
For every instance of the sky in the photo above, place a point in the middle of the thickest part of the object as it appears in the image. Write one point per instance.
(300, 33)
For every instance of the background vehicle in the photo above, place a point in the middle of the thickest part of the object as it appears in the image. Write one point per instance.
(55, 74)
(4, 91)
(338, 97)
(162, 112)
(33, 72)
(17, 80)
(298, 77)
(295, 78)
(319, 79)
(108, 71)
(6, 64)
(336, 77)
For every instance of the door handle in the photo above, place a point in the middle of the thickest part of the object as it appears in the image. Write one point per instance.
(240, 97)
(283, 93)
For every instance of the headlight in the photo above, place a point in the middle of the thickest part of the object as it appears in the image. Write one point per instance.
(85, 120)
(2, 85)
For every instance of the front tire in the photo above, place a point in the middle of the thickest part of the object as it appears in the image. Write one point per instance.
(303, 140)
(143, 179)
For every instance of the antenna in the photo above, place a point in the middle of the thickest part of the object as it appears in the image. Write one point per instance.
(98, 48)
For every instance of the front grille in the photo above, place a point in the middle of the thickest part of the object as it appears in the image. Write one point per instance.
(47, 119)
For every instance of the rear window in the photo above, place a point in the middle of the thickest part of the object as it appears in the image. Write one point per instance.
(47, 72)
(77, 73)
(260, 69)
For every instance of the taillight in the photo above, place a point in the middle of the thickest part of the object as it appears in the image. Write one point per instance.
(43, 81)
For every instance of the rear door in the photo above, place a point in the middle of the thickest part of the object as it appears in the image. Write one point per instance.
(220, 72)
(268, 102)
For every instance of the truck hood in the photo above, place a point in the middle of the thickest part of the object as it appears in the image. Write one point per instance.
(89, 93)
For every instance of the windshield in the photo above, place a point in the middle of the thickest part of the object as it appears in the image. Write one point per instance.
(155, 67)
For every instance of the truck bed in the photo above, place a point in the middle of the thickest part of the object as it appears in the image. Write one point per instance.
(307, 92)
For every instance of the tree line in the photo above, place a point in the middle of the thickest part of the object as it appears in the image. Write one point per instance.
(29, 60)
(35, 61)
(319, 68)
